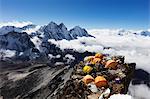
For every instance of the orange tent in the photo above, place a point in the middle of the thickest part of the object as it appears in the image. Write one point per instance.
(88, 79)
(96, 60)
(111, 64)
(89, 58)
(100, 81)
(99, 55)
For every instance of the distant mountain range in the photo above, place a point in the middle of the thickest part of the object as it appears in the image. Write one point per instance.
(50, 31)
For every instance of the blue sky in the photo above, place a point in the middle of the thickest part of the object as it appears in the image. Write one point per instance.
(128, 14)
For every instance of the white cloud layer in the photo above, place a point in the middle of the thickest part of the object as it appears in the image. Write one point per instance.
(15, 23)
